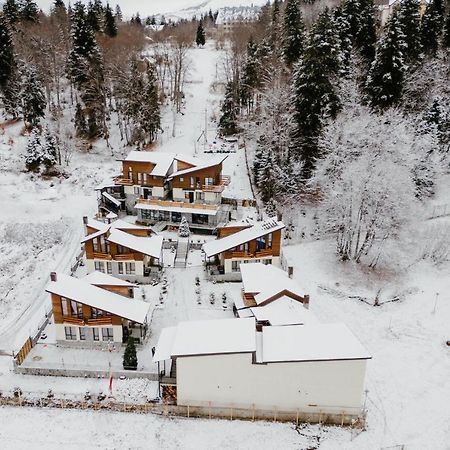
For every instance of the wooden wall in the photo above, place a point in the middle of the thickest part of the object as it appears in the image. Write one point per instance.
(142, 167)
(211, 172)
(274, 251)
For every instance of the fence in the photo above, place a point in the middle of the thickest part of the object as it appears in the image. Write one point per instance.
(154, 406)
(439, 211)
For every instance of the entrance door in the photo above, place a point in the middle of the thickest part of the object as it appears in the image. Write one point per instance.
(191, 197)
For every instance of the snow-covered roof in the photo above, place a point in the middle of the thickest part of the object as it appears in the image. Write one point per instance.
(87, 294)
(109, 183)
(111, 216)
(163, 161)
(119, 224)
(235, 14)
(208, 337)
(248, 234)
(165, 343)
(111, 199)
(179, 209)
(247, 222)
(313, 342)
(284, 311)
(199, 167)
(103, 279)
(150, 246)
(94, 235)
(266, 281)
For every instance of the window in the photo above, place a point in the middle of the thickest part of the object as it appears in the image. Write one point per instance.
(130, 173)
(82, 333)
(71, 333)
(145, 178)
(120, 249)
(181, 178)
(244, 247)
(139, 178)
(109, 267)
(95, 334)
(209, 181)
(199, 196)
(269, 240)
(130, 268)
(260, 243)
(120, 267)
(107, 334)
(96, 313)
(137, 190)
(267, 261)
(95, 244)
(192, 182)
(64, 306)
(100, 266)
(200, 219)
(235, 266)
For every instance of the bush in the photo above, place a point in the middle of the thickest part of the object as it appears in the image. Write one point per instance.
(130, 361)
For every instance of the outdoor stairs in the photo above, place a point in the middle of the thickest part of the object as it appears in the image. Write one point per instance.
(159, 226)
(182, 254)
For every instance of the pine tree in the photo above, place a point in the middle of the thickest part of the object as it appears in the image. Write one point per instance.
(345, 38)
(409, 20)
(275, 28)
(315, 94)
(431, 27)
(386, 76)
(250, 76)
(50, 150)
(59, 4)
(34, 151)
(33, 98)
(7, 59)
(80, 121)
(183, 229)
(436, 121)
(119, 15)
(228, 120)
(110, 27)
(366, 36)
(200, 37)
(29, 11)
(11, 11)
(93, 18)
(149, 112)
(446, 37)
(130, 361)
(293, 32)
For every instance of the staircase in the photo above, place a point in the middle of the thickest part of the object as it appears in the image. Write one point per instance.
(182, 254)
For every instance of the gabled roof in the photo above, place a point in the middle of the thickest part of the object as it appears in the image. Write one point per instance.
(313, 342)
(103, 279)
(248, 234)
(151, 246)
(95, 297)
(208, 337)
(162, 161)
(198, 167)
(119, 224)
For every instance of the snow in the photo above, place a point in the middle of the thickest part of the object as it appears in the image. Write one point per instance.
(312, 342)
(87, 294)
(151, 246)
(163, 161)
(236, 14)
(248, 234)
(180, 209)
(284, 311)
(165, 344)
(91, 236)
(213, 163)
(205, 337)
(103, 279)
(116, 224)
(111, 199)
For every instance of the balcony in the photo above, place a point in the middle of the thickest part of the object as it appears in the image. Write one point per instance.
(174, 204)
(218, 188)
(123, 181)
(98, 255)
(88, 322)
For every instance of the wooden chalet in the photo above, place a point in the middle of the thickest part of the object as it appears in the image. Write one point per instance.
(125, 250)
(88, 315)
(272, 297)
(243, 243)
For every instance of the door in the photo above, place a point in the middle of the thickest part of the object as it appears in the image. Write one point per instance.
(191, 197)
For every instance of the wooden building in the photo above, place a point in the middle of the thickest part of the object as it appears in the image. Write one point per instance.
(315, 370)
(122, 249)
(244, 243)
(87, 315)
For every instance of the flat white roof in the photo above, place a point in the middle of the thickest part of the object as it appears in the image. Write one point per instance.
(313, 342)
(213, 248)
(163, 161)
(179, 209)
(284, 311)
(208, 337)
(111, 199)
(119, 224)
(103, 279)
(151, 246)
(266, 281)
(165, 344)
(87, 294)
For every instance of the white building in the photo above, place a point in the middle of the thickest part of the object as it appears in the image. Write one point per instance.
(230, 16)
(315, 369)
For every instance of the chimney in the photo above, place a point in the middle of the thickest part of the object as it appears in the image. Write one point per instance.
(290, 271)
(85, 220)
(52, 276)
(306, 301)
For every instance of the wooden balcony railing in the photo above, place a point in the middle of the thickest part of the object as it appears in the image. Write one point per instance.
(249, 300)
(173, 204)
(73, 320)
(263, 253)
(124, 181)
(225, 180)
(99, 321)
(124, 257)
(98, 255)
(241, 255)
(213, 188)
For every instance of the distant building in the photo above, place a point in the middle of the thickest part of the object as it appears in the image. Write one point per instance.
(386, 8)
(314, 372)
(92, 311)
(241, 243)
(229, 17)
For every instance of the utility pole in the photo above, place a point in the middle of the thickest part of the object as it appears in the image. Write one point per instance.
(206, 127)
(435, 302)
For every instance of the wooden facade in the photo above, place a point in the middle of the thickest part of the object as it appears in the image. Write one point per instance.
(199, 178)
(131, 169)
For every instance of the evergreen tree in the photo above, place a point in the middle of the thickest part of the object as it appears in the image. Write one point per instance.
(7, 59)
(200, 37)
(80, 121)
(275, 27)
(34, 151)
(130, 361)
(386, 76)
(59, 4)
(110, 27)
(436, 121)
(446, 38)
(11, 10)
(250, 75)
(33, 98)
(29, 11)
(50, 151)
(119, 15)
(315, 94)
(345, 38)
(366, 36)
(137, 20)
(93, 18)
(228, 120)
(183, 229)
(431, 27)
(149, 111)
(293, 33)
(409, 20)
